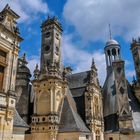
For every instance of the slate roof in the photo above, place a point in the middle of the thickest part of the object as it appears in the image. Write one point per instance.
(77, 83)
(110, 108)
(135, 107)
(70, 119)
(24, 69)
(77, 92)
(18, 121)
(109, 95)
(78, 80)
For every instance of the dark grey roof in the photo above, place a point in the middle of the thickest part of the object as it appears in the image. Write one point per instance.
(111, 123)
(23, 69)
(77, 92)
(78, 80)
(70, 119)
(109, 95)
(78, 83)
(18, 121)
(135, 107)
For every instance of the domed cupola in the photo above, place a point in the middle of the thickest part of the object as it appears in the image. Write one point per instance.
(112, 52)
(23, 72)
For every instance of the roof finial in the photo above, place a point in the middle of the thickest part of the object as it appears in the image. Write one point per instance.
(24, 57)
(36, 72)
(110, 34)
(48, 16)
(93, 64)
(36, 67)
(134, 80)
(93, 61)
(23, 60)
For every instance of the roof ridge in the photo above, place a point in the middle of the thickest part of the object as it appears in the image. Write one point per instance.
(79, 72)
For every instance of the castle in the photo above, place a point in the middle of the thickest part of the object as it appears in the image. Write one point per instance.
(60, 105)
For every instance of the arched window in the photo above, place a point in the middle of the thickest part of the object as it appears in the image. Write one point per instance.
(118, 52)
(114, 52)
(97, 135)
(108, 52)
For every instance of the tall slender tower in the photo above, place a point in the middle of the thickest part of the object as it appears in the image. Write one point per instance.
(135, 49)
(48, 85)
(115, 92)
(51, 45)
(93, 105)
(23, 89)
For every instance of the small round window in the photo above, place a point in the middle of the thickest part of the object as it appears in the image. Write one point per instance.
(47, 48)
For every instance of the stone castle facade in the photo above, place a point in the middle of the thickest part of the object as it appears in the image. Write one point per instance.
(59, 105)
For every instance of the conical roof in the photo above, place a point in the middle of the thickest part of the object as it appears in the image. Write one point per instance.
(70, 120)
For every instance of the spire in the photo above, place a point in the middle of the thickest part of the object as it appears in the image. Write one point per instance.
(93, 64)
(24, 57)
(48, 16)
(36, 67)
(36, 72)
(134, 80)
(110, 34)
(93, 74)
(22, 60)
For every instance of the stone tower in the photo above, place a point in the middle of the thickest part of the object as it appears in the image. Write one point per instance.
(93, 102)
(135, 48)
(115, 92)
(51, 43)
(48, 85)
(9, 49)
(23, 88)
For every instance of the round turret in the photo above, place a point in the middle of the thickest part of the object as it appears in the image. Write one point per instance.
(23, 69)
(23, 72)
(112, 51)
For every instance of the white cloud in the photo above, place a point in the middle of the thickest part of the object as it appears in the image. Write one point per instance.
(32, 61)
(130, 74)
(91, 18)
(27, 9)
(81, 59)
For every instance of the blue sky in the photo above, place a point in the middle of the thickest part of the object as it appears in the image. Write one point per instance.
(85, 25)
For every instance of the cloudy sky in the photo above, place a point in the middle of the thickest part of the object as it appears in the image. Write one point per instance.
(85, 25)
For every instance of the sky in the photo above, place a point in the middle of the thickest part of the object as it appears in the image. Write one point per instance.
(85, 30)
